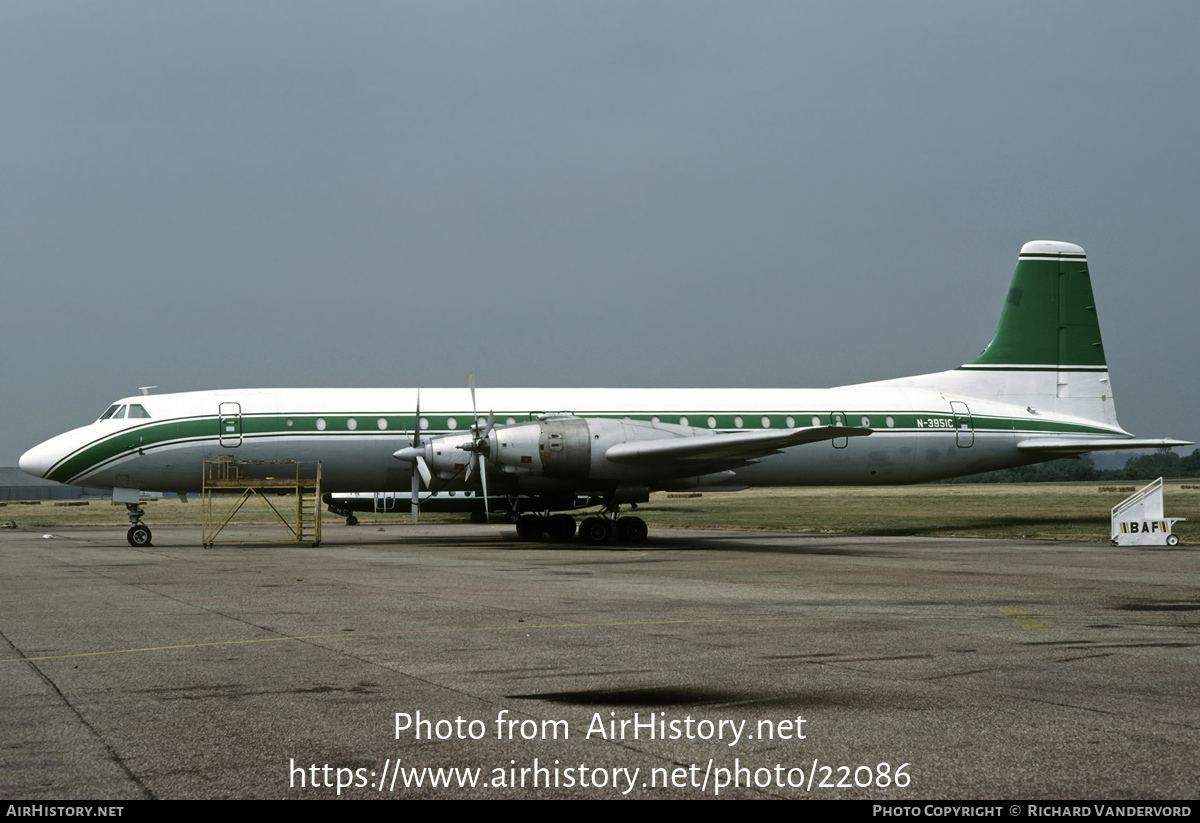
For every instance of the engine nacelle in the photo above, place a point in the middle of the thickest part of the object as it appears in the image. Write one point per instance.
(573, 448)
(446, 456)
(559, 447)
(562, 449)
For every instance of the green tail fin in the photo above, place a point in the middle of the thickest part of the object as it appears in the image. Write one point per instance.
(1049, 318)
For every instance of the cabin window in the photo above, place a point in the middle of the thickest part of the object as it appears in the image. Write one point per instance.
(712, 422)
(351, 423)
(683, 421)
(766, 422)
(451, 423)
(508, 421)
(866, 422)
(891, 422)
(381, 423)
(320, 424)
(816, 421)
(737, 421)
(137, 410)
(791, 422)
(110, 412)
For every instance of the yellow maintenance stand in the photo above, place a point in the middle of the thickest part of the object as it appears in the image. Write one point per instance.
(300, 518)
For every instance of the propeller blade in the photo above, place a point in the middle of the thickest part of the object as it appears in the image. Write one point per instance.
(426, 474)
(417, 461)
(487, 513)
(416, 495)
(474, 412)
(417, 421)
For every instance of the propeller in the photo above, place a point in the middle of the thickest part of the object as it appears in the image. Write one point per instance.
(419, 461)
(415, 454)
(479, 446)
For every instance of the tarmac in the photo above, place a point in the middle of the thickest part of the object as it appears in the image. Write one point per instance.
(698, 664)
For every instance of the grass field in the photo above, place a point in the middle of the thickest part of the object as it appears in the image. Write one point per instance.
(1072, 511)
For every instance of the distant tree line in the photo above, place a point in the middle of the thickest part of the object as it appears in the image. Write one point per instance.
(1163, 463)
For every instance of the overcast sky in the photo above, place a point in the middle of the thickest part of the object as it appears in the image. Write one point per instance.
(209, 195)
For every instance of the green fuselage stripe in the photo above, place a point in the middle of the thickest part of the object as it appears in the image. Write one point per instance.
(156, 434)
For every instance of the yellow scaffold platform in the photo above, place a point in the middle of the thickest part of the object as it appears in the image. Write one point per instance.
(251, 479)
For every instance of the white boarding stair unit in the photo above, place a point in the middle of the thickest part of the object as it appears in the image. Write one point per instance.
(1138, 520)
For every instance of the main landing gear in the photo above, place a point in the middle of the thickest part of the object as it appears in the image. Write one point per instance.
(593, 530)
(139, 533)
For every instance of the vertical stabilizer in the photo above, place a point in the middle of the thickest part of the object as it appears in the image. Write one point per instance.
(1047, 352)
(1049, 318)
(1046, 355)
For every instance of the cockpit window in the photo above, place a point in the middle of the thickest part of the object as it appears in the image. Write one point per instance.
(125, 411)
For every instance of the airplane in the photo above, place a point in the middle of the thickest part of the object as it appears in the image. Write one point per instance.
(1039, 391)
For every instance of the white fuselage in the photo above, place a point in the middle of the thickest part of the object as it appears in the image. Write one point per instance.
(918, 433)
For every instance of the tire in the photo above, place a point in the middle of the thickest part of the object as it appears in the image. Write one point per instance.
(594, 531)
(632, 530)
(561, 527)
(530, 527)
(351, 521)
(138, 536)
(1172, 540)
(512, 516)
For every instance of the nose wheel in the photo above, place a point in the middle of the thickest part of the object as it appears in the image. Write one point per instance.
(139, 533)
(138, 536)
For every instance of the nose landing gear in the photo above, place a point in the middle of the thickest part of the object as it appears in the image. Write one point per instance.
(139, 533)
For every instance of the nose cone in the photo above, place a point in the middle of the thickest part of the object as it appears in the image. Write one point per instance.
(36, 461)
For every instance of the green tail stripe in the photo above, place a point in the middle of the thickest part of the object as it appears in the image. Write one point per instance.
(1049, 317)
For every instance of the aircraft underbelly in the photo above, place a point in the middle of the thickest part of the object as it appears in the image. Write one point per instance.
(884, 458)
(346, 465)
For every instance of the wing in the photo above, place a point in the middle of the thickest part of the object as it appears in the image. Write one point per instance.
(731, 448)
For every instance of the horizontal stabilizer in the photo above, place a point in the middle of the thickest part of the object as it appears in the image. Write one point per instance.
(724, 448)
(1066, 445)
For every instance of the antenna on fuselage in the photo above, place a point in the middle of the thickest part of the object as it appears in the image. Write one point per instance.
(146, 389)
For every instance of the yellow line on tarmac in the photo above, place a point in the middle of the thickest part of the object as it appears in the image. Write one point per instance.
(414, 631)
(1025, 622)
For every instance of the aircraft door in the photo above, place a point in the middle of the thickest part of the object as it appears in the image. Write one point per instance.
(839, 419)
(964, 427)
(229, 424)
